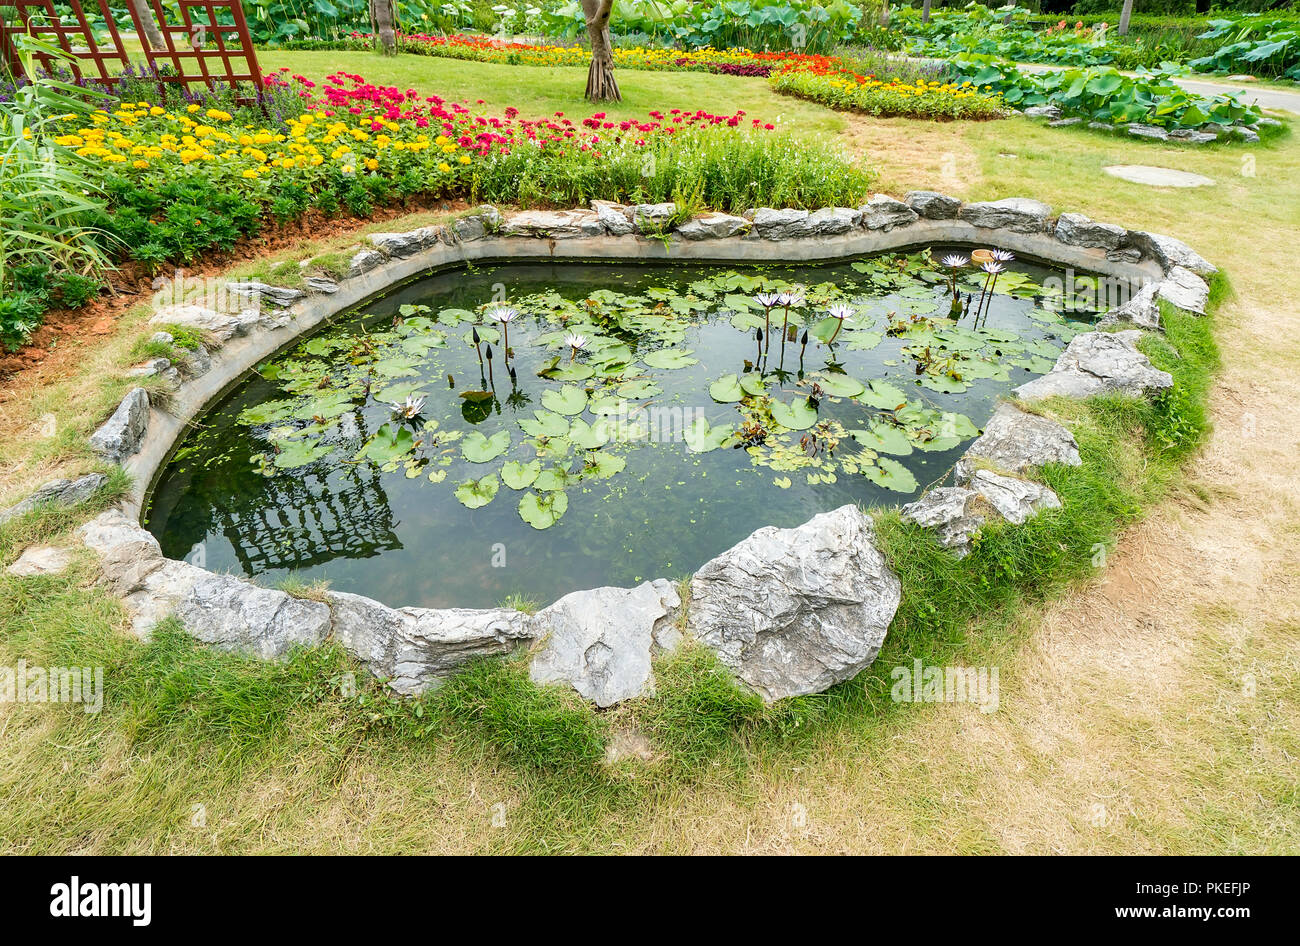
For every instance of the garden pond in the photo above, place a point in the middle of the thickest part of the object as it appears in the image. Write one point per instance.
(529, 430)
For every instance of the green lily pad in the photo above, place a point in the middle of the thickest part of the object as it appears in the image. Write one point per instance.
(479, 449)
(569, 399)
(541, 511)
(669, 358)
(701, 437)
(589, 436)
(519, 475)
(892, 475)
(296, 453)
(884, 438)
(797, 415)
(545, 424)
(840, 385)
(480, 492)
(726, 390)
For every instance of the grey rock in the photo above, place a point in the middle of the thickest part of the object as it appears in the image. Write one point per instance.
(120, 435)
(1013, 498)
(1018, 214)
(1064, 122)
(149, 368)
(134, 569)
(1015, 441)
(220, 325)
(1184, 289)
(197, 362)
(947, 510)
(1139, 130)
(41, 560)
(162, 338)
(714, 226)
(601, 641)
(615, 217)
(416, 648)
(829, 221)
(795, 611)
(1043, 111)
(363, 262)
(1097, 363)
(554, 224)
(882, 212)
(60, 492)
(1267, 122)
(1242, 132)
(781, 224)
(1103, 126)
(400, 245)
(1125, 254)
(276, 295)
(933, 205)
(653, 218)
(1078, 230)
(1169, 252)
(232, 614)
(956, 513)
(1141, 310)
(484, 221)
(321, 284)
(1193, 136)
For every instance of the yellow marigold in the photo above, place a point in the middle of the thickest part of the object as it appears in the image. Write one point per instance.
(444, 167)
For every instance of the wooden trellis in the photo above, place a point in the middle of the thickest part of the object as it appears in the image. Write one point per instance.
(209, 47)
(76, 38)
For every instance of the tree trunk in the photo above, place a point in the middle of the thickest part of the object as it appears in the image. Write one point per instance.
(152, 38)
(925, 12)
(1124, 15)
(601, 84)
(381, 15)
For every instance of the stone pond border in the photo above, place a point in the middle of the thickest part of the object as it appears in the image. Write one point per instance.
(827, 595)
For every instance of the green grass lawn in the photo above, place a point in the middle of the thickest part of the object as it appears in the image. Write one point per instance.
(199, 751)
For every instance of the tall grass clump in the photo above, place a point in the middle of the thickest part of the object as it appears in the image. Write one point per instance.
(726, 169)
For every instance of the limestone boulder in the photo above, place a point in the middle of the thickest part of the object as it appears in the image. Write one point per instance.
(795, 611)
(1099, 363)
(600, 642)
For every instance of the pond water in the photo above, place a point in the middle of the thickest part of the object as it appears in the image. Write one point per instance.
(668, 436)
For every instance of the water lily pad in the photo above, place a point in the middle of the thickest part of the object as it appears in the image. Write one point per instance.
(296, 453)
(892, 475)
(541, 511)
(589, 436)
(602, 465)
(884, 438)
(479, 449)
(669, 358)
(882, 395)
(726, 390)
(840, 385)
(797, 415)
(519, 475)
(480, 492)
(701, 437)
(545, 424)
(569, 399)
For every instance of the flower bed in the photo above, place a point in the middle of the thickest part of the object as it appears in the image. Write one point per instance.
(183, 179)
(920, 99)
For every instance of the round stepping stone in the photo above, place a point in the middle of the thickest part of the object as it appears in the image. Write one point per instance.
(1156, 177)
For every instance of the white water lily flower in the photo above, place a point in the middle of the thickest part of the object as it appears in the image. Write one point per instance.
(768, 299)
(993, 268)
(505, 315)
(793, 298)
(1002, 256)
(412, 407)
(576, 342)
(955, 262)
(842, 312)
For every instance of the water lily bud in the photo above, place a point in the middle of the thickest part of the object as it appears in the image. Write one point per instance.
(489, 352)
(474, 332)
